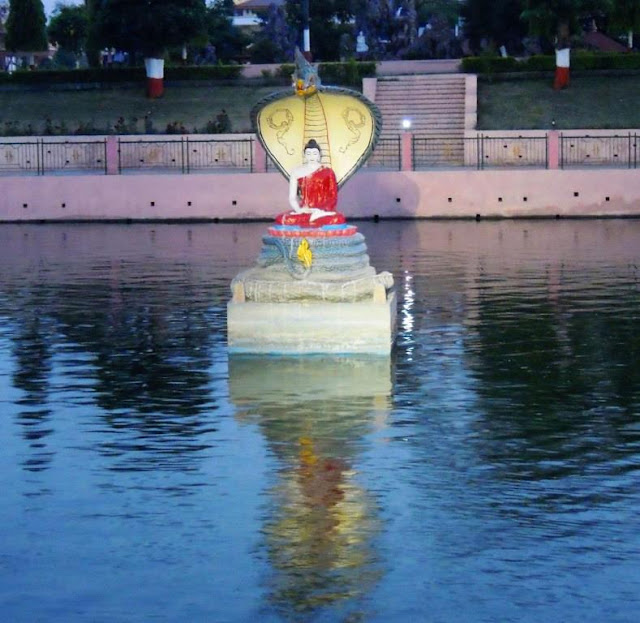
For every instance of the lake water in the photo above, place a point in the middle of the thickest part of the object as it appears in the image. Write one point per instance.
(489, 471)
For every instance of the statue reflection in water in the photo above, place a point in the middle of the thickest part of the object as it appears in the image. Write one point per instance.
(320, 523)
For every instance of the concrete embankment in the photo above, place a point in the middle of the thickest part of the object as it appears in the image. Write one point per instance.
(385, 194)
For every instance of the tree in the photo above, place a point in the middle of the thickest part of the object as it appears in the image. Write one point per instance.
(554, 19)
(26, 26)
(68, 27)
(496, 22)
(149, 26)
(276, 41)
(625, 15)
(328, 21)
(93, 35)
(547, 18)
(374, 19)
(389, 26)
(443, 9)
(228, 40)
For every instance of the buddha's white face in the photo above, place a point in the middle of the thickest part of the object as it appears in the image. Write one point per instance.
(312, 155)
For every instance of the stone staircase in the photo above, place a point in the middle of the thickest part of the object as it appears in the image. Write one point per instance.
(436, 104)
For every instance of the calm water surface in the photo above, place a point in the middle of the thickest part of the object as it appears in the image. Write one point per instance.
(488, 471)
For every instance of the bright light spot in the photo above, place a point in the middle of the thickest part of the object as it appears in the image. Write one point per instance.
(407, 307)
(406, 124)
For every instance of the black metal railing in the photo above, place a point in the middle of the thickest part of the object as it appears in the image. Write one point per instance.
(41, 156)
(186, 155)
(73, 156)
(616, 150)
(480, 152)
(18, 157)
(209, 154)
(438, 151)
(386, 154)
(511, 151)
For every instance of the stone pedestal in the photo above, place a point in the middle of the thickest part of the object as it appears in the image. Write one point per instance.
(312, 291)
(305, 328)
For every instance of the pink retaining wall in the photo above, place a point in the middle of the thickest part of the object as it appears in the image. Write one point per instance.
(389, 194)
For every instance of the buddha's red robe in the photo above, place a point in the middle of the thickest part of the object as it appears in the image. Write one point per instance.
(318, 190)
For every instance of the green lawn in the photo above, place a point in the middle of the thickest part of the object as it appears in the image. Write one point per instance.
(607, 102)
(590, 102)
(190, 105)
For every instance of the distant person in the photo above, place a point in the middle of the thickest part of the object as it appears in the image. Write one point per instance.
(11, 64)
(210, 54)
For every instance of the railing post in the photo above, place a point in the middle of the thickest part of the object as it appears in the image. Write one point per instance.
(258, 157)
(406, 155)
(553, 149)
(184, 147)
(40, 156)
(112, 155)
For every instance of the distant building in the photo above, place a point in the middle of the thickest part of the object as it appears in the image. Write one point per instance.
(248, 14)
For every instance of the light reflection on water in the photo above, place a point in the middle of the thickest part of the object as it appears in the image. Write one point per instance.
(487, 471)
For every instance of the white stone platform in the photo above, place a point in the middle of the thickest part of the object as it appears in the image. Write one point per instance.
(305, 328)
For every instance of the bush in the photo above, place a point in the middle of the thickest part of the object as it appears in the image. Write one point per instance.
(203, 72)
(176, 127)
(489, 64)
(285, 71)
(602, 60)
(119, 74)
(580, 60)
(349, 73)
(537, 62)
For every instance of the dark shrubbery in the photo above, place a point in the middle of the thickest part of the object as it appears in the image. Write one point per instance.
(120, 74)
(349, 73)
(580, 60)
(79, 76)
(203, 72)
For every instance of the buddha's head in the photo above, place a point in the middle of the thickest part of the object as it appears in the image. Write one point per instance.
(312, 152)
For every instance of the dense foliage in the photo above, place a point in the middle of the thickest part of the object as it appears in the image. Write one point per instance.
(68, 27)
(149, 26)
(276, 41)
(491, 23)
(26, 30)
(228, 41)
(328, 21)
(391, 29)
